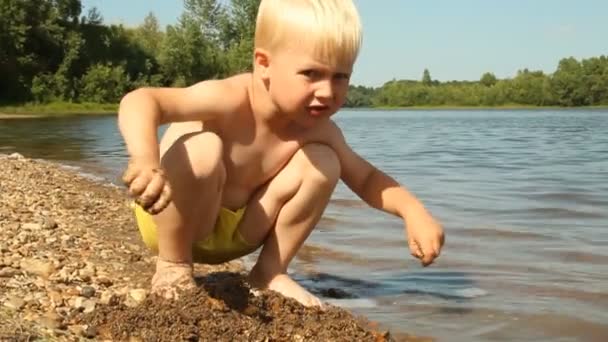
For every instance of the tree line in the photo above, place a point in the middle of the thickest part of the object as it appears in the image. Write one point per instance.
(574, 84)
(51, 51)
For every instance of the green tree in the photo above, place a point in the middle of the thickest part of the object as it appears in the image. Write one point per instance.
(488, 79)
(186, 56)
(567, 85)
(528, 88)
(104, 83)
(238, 32)
(32, 38)
(208, 15)
(426, 78)
(148, 35)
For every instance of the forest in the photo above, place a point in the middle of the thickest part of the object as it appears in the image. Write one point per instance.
(51, 51)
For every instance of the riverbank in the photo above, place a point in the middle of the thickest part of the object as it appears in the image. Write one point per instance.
(73, 266)
(60, 109)
(54, 109)
(485, 108)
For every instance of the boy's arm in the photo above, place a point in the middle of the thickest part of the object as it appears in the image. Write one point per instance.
(380, 191)
(142, 111)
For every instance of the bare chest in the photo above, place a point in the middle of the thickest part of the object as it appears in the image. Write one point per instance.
(250, 166)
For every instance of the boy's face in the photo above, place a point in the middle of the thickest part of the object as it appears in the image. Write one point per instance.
(304, 88)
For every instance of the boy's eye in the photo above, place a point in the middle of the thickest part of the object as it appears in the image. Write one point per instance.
(341, 76)
(311, 73)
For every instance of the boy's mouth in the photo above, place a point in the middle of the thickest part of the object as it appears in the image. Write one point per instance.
(317, 110)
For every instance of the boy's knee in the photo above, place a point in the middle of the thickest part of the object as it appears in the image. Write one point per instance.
(323, 163)
(202, 154)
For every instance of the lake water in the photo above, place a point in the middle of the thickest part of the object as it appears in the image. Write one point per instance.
(522, 195)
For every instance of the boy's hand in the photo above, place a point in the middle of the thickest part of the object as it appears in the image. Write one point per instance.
(425, 236)
(148, 185)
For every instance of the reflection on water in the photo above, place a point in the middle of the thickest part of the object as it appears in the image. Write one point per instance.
(522, 195)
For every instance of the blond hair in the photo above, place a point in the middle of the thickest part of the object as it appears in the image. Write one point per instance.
(331, 28)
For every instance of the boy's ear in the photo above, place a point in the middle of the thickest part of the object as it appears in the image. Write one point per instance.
(261, 59)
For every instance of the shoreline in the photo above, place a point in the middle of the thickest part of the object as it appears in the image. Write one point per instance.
(17, 116)
(56, 110)
(84, 269)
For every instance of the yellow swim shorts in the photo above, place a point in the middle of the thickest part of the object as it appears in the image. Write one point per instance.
(224, 244)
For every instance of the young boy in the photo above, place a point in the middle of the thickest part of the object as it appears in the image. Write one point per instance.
(252, 160)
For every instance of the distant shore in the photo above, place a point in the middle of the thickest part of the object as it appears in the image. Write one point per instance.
(503, 107)
(60, 109)
(56, 109)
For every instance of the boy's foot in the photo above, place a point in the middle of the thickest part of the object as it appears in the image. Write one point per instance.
(286, 286)
(170, 278)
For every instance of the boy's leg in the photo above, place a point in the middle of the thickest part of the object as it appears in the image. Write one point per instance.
(197, 179)
(284, 213)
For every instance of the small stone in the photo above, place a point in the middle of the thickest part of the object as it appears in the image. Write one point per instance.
(72, 292)
(44, 302)
(77, 330)
(123, 291)
(89, 306)
(30, 316)
(217, 304)
(87, 292)
(138, 294)
(135, 297)
(51, 321)
(17, 156)
(108, 298)
(79, 302)
(48, 223)
(56, 297)
(62, 276)
(87, 273)
(90, 331)
(103, 280)
(8, 272)
(40, 282)
(38, 267)
(250, 310)
(31, 226)
(15, 303)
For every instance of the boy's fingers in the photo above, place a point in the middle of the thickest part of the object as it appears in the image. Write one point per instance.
(128, 176)
(167, 193)
(428, 255)
(415, 250)
(437, 248)
(158, 207)
(138, 185)
(163, 201)
(153, 192)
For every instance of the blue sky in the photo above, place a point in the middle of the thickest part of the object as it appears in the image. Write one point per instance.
(455, 40)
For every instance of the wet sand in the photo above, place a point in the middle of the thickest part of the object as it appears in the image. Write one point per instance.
(73, 266)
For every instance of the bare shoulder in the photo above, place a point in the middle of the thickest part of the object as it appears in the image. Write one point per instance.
(231, 92)
(239, 84)
(328, 133)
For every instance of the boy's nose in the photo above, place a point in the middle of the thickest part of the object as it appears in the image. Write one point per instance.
(324, 90)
